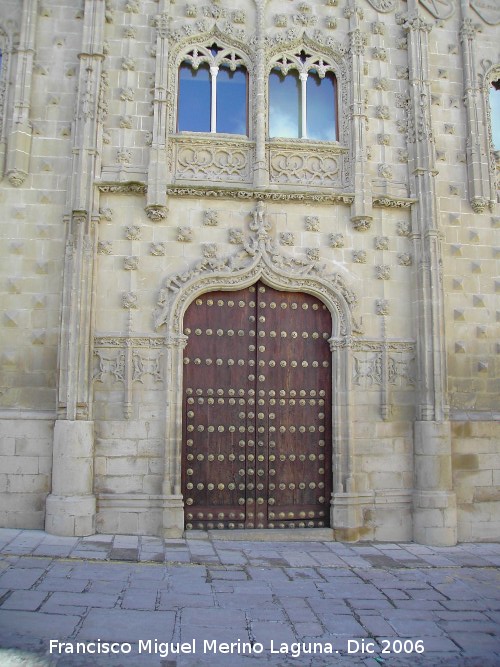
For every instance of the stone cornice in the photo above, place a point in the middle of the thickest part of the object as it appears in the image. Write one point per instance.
(220, 192)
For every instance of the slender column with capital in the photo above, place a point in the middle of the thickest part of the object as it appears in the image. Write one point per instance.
(261, 169)
(19, 141)
(435, 515)
(158, 176)
(482, 192)
(361, 209)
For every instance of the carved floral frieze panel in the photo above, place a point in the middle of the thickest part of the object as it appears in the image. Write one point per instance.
(212, 159)
(302, 164)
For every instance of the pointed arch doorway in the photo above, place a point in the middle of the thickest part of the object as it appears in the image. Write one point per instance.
(257, 429)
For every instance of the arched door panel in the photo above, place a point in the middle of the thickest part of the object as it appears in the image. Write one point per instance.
(257, 410)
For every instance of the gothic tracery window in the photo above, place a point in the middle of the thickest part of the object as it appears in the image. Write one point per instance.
(213, 91)
(303, 98)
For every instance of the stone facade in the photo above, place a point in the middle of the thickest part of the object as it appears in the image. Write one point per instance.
(112, 223)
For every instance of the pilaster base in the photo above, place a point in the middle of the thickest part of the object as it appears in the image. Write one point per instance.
(173, 517)
(71, 507)
(346, 516)
(435, 518)
(434, 502)
(70, 516)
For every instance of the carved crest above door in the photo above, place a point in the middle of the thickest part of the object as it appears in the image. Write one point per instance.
(259, 257)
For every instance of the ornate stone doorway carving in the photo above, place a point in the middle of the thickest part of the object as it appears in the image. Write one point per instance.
(259, 260)
(257, 446)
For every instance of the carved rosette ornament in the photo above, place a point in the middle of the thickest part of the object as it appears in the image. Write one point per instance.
(129, 300)
(259, 258)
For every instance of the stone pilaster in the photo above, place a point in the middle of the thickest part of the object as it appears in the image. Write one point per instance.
(361, 209)
(158, 175)
(19, 141)
(435, 518)
(173, 504)
(481, 187)
(71, 507)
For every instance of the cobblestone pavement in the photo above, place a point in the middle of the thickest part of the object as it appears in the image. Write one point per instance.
(204, 591)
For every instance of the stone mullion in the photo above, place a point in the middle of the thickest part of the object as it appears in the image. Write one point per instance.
(19, 141)
(361, 209)
(261, 169)
(435, 516)
(480, 191)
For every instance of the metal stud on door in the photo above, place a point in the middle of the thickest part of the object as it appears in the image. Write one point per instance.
(257, 410)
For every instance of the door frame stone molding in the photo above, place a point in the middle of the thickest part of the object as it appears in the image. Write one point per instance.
(259, 259)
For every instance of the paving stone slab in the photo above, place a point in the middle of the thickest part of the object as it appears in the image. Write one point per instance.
(36, 625)
(124, 625)
(20, 578)
(24, 600)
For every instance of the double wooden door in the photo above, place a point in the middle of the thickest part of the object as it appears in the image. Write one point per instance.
(257, 410)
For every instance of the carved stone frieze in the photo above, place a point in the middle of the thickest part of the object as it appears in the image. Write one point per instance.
(259, 195)
(110, 364)
(128, 341)
(367, 371)
(144, 364)
(401, 369)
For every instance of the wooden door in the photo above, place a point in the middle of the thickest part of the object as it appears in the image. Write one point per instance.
(257, 410)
